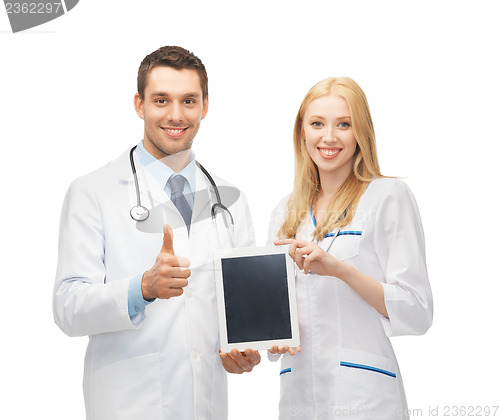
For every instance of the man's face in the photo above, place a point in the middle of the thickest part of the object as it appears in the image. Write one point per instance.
(172, 110)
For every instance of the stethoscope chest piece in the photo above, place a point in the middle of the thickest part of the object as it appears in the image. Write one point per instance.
(139, 213)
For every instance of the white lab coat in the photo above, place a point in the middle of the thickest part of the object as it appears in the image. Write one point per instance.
(347, 368)
(163, 364)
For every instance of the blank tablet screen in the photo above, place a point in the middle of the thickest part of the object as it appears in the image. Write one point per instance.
(256, 298)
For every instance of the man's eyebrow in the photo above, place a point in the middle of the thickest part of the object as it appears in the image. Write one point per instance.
(187, 95)
(159, 93)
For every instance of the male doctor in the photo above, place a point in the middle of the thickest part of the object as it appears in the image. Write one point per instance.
(143, 290)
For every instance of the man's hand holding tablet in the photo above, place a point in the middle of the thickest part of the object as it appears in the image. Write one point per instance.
(240, 361)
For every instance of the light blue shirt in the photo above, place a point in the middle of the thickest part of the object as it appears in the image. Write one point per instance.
(161, 173)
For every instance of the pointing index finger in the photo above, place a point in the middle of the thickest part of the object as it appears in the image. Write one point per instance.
(283, 241)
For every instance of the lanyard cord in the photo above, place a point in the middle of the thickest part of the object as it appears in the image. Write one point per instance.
(314, 223)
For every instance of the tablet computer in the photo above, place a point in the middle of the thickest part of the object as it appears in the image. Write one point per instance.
(256, 298)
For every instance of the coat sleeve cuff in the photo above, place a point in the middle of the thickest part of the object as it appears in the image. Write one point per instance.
(407, 314)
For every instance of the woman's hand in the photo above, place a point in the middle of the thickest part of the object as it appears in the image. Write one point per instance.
(309, 256)
(285, 349)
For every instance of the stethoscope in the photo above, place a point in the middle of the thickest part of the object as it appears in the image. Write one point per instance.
(140, 213)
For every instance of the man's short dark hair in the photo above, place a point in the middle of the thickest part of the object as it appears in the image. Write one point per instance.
(175, 57)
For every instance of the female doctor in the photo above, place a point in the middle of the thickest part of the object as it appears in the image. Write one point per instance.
(357, 238)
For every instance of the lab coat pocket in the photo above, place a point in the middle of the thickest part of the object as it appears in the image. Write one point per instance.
(369, 383)
(346, 244)
(128, 389)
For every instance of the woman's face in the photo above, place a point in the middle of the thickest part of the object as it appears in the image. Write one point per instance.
(329, 137)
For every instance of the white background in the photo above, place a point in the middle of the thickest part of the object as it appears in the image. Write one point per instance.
(430, 70)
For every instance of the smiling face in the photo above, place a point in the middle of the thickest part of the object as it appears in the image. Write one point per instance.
(329, 137)
(172, 110)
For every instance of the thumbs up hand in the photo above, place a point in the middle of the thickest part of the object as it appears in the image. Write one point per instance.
(169, 274)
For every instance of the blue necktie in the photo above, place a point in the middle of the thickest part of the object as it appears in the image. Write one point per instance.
(177, 196)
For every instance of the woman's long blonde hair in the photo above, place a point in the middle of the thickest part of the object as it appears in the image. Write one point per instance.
(341, 209)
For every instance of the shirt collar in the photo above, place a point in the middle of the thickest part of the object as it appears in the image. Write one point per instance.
(161, 172)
